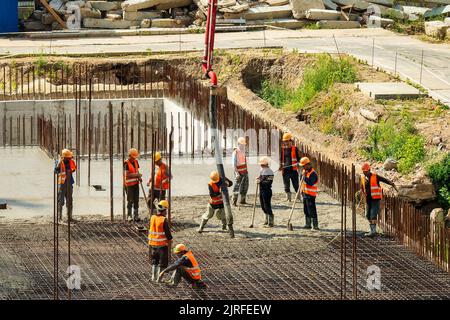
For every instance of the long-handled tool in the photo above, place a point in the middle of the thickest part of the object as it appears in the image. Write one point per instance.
(254, 205)
(145, 199)
(289, 224)
(291, 165)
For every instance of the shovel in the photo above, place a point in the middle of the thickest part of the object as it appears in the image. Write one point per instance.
(289, 224)
(254, 205)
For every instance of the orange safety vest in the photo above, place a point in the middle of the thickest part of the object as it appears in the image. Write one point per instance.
(215, 199)
(194, 271)
(131, 169)
(241, 165)
(62, 170)
(375, 189)
(293, 157)
(157, 235)
(161, 175)
(309, 189)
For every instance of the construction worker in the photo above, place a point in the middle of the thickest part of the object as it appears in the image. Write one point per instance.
(65, 169)
(162, 179)
(185, 267)
(241, 172)
(159, 238)
(309, 189)
(265, 180)
(132, 178)
(370, 187)
(215, 204)
(289, 165)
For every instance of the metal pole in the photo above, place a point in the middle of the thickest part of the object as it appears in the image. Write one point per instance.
(111, 162)
(421, 68)
(123, 161)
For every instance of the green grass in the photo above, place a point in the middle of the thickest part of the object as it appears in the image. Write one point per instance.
(320, 76)
(398, 140)
(439, 173)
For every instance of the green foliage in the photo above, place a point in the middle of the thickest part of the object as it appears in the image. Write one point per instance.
(400, 141)
(276, 94)
(439, 173)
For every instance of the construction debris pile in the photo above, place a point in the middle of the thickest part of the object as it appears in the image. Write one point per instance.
(291, 14)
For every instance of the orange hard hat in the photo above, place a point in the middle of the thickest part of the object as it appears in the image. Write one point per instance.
(179, 248)
(215, 177)
(287, 136)
(365, 166)
(133, 152)
(304, 161)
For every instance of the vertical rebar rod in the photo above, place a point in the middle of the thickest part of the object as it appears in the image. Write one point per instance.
(111, 160)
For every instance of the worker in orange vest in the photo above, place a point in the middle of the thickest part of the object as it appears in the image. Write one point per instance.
(65, 169)
(159, 238)
(185, 267)
(215, 204)
(309, 190)
(241, 172)
(131, 180)
(162, 179)
(289, 165)
(370, 187)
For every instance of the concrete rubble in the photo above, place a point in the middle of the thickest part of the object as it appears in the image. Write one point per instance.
(289, 14)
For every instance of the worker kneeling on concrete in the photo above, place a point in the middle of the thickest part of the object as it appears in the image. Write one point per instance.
(265, 181)
(65, 169)
(185, 267)
(215, 205)
(159, 238)
(370, 187)
(309, 190)
(132, 178)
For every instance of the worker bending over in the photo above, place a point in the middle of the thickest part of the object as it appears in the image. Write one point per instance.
(265, 180)
(132, 178)
(65, 169)
(289, 165)
(159, 238)
(162, 179)
(309, 189)
(241, 172)
(215, 205)
(370, 187)
(185, 267)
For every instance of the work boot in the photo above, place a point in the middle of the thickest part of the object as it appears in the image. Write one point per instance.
(198, 285)
(59, 212)
(231, 230)
(235, 199)
(307, 223)
(315, 223)
(129, 216)
(224, 225)
(154, 272)
(243, 200)
(70, 216)
(288, 196)
(271, 218)
(266, 221)
(202, 226)
(372, 232)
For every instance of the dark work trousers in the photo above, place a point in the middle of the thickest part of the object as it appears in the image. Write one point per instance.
(181, 273)
(159, 256)
(133, 199)
(265, 198)
(309, 206)
(65, 195)
(288, 176)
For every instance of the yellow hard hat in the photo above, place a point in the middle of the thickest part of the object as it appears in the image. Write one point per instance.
(157, 156)
(287, 136)
(264, 161)
(304, 160)
(133, 152)
(66, 153)
(241, 140)
(179, 248)
(215, 177)
(163, 205)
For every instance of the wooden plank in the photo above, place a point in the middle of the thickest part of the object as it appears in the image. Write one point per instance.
(53, 13)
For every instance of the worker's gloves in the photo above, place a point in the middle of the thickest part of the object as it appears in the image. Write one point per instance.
(257, 180)
(238, 177)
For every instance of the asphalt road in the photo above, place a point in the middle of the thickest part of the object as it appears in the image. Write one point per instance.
(385, 49)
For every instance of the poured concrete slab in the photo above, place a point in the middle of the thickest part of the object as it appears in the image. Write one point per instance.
(389, 90)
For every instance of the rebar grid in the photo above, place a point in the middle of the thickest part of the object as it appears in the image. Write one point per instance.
(114, 265)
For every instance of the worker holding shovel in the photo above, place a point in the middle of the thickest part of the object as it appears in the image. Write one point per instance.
(132, 179)
(265, 181)
(309, 189)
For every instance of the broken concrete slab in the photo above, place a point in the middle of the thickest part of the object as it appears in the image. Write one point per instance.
(90, 13)
(357, 4)
(330, 5)
(387, 3)
(135, 5)
(140, 15)
(47, 18)
(114, 16)
(34, 25)
(378, 21)
(394, 13)
(338, 24)
(235, 9)
(171, 23)
(106, 23)
(275, 12)
(389, 90)
(436, 29)
(174, 4)
(277, 2)
(319, 14)
(412, 9)
(299, 7)
(105, 5)
(444, 10)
